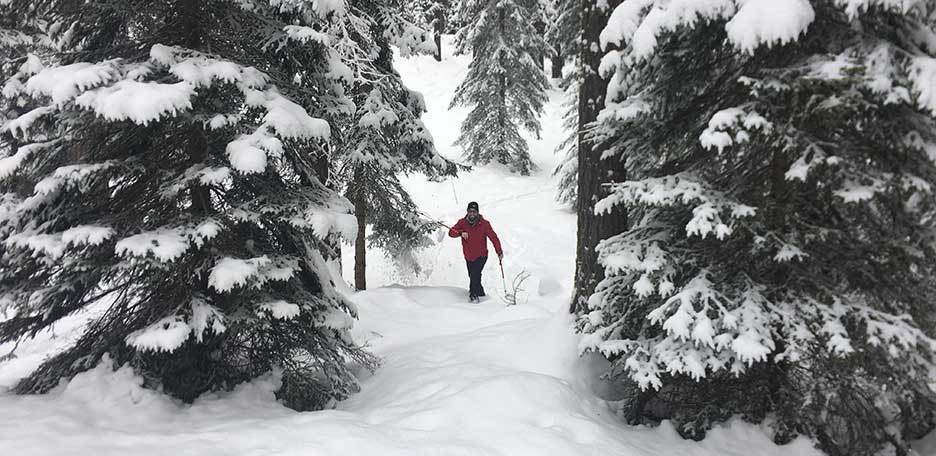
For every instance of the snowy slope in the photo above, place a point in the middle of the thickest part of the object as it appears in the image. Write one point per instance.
(456, 379)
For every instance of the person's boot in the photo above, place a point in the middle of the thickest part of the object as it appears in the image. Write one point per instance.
(473, 299)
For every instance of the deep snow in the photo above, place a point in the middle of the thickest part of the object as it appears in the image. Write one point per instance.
(456, 378)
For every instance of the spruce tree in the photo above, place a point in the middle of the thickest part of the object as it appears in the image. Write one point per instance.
(564, 35)
(780, 261)
(564, 32)
(384, 140)
(505, 85)
(172, 164)
(435, 14)
(568, 168)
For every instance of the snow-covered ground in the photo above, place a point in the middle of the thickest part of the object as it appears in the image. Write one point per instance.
(456, 378)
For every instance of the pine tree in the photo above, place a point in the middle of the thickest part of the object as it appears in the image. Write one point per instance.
(505, 85)
(568, 168)
(384, 140)
(173, 161)
(564, 36)
(435, 15)
(564, 32)
(780, 260)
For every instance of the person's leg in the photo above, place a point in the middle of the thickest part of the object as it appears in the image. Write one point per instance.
(482, 260)
(470, 278)
(474, 274)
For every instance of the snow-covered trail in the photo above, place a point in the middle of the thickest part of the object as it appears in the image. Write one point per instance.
(456, 379)
(487, 379)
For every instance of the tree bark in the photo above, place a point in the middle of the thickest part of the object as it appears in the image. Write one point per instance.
(438, 28)
(558, 61)
(593, 172)
(197, 145)
(540, 57)
(360, 248)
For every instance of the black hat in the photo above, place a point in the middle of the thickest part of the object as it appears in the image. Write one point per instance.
(473, 205)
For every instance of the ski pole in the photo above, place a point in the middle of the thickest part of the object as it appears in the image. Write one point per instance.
(503, 279)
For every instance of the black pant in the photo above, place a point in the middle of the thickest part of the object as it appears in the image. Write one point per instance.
(474, 275)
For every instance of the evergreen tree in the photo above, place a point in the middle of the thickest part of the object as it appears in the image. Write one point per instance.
(384, 140)
(567, 169)
(435, 14)
(564, 32)
(505, 85)
(564, 35)
(781, 256)
(173, 164)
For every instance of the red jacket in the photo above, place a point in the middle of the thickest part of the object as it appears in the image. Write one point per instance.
(478, 234)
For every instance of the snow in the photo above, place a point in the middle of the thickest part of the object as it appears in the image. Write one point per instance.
(233, 272)
(139, 102)
(290, 120)
(87, 234)
(64, 83)
(68, 176)
(50, 245)
(9, 164)
(171, 332)
(280, 309)
(303, 34)
(201, 70)
(248, 153)
(751, 23)
(923, 79)
(789, 252)
(768, 22)
(853, 192)
(732, 118)
(854, 7)
(165, 244)
(456, 378)
(21, 124)
(167, 334)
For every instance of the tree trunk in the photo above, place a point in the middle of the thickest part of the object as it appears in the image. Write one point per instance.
(540, 57)
(197, 149)
(437, 35)
(558, 61)
(592, 171)
(330, 248)
(360, 248)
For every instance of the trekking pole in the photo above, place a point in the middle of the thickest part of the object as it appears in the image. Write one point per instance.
(503, 279)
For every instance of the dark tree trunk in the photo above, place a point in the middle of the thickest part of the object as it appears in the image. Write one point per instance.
(197, 147)
(558, 61)
(540, 57)
(438, 28)
(331, 245)
(360, 248)
(592, 171)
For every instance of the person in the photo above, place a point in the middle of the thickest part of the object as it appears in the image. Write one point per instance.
(474, 232)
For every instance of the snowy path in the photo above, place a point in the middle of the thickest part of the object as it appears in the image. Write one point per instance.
(457, 379)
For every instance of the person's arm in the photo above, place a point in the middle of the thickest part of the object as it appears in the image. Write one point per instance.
(456, 230)
(494, 240)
